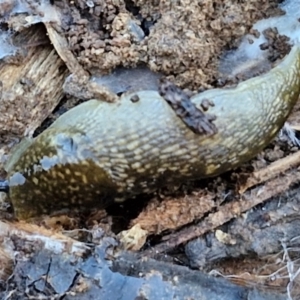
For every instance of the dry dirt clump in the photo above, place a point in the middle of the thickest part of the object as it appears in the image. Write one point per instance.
(105, 35)
(189, 36)
(181, 39)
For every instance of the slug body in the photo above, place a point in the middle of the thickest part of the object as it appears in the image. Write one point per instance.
(100, 151)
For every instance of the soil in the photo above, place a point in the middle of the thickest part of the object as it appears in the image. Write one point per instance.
(182, 41)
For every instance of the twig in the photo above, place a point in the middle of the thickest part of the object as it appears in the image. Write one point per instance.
(226, 213)
(274, 169)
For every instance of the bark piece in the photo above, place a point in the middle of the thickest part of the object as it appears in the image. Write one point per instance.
(274, 169)
(227, 212)
(258, 232)
(32, 86)
(172, 213)
(43, 272)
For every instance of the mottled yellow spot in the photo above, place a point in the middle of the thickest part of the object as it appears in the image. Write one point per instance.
(287, 97)
(120, 158)
(146, 147)
(194, 153)
(161, 170)
(123, 175)
(138, 157)
(171, 149)
(210, 169)
(35, 180)
(147, 166)
(173, 168)
(274, 130)
(122, 142)
(113, 150)
(244, 151)
(185, 170)
(61, 175)
(85, 163)
(133, 145)
(130, 183)
(84, 179)
(119, 200)
(136, 165)
(164, 157)
(52, 173)
(37, 191)
(73, 180)
(74, 188)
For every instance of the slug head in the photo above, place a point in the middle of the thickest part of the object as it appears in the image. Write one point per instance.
(57, 171)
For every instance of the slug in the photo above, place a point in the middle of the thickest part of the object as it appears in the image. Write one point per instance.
(100, 151)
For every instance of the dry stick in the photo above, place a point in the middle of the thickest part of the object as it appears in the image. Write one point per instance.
(61, 45)
(274, 169)
(227, 212)
(81, 77)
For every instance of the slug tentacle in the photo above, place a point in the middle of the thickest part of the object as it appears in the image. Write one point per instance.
(99, 151)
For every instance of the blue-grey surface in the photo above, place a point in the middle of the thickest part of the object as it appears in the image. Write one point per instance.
(125, 277)
(129, 80)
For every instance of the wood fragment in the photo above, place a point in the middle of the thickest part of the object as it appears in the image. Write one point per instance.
(256, 234)
(31, 236)
(274, 169)
(61, 45)
(76, 272)
(79, 83)
(172, 213)
(226, 212)
(32, 87)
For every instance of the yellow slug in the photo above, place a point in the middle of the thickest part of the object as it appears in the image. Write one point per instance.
(101, 151)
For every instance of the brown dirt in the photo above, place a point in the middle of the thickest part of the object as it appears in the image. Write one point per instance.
(183, 40)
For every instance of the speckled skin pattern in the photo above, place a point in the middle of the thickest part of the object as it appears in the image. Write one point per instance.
(101, 151)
